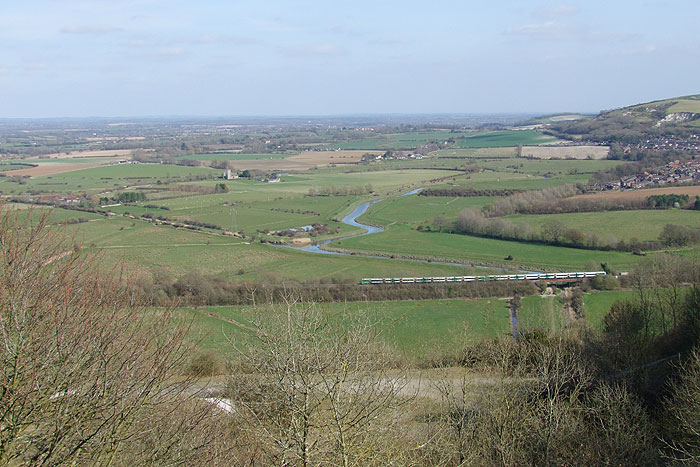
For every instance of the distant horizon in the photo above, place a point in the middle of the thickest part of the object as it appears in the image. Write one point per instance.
(296, 116)
(156, 58)
(195, 115)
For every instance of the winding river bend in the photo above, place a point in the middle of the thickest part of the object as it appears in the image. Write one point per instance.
(351, 219)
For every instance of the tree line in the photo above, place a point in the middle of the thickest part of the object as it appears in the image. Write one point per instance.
(332, 190)
(125, 197)
(464, 192)
(195, 288)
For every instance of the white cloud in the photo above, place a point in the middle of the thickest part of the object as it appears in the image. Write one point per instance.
(559, 11)
(273, 25)
(91, 29)
(644, 50)
(548, 29)
(317, 50)
(218, 39)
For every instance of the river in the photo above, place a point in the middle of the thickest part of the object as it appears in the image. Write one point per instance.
(351, 219)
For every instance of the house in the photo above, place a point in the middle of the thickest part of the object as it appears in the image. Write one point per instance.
(273, 179)
(230, 175)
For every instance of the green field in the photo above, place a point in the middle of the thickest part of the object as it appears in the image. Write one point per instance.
(419, 209)
(548, 312)
(504, 138)
(9, 166)
(597, 305)
(541, 313)
(413, 327)
(409, 140)
(549, 168)
(417, 328)
(146, 248)
(109, 177)
(250, 206)
(616, 225)
(403, 240)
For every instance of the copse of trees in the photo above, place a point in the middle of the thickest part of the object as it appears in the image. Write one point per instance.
(463, 192)
(341, 190)
(668, 201)
(125, 197)
(679, 235)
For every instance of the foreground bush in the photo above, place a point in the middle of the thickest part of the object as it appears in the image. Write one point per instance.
(86, 376)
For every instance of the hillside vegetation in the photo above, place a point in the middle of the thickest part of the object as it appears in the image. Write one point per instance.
(678, 117)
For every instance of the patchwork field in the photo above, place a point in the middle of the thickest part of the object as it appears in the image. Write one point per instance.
(399, 140)
(299, 162)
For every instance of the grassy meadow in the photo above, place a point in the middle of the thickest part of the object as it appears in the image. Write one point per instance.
(504, 138)
(414, 328)
(621, 225)
(405, 241)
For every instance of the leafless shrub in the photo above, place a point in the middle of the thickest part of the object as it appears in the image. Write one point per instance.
(86, 375)
(319, 388)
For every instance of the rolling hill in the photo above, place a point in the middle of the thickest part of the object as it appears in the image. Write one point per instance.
(678, 117)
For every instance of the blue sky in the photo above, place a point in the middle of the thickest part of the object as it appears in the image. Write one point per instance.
(210, 57)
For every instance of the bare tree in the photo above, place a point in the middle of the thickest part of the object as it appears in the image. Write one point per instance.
(319, 385)
(86, 376)
(683, 414)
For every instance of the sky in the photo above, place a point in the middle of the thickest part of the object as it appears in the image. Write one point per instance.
(80, 58)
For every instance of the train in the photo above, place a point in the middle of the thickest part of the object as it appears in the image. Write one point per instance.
(496, 277)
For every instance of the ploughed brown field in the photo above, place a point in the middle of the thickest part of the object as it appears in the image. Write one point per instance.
(48, 168)
(691, 191)
(117, 153)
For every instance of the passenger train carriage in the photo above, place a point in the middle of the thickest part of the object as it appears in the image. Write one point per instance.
(497, 277)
